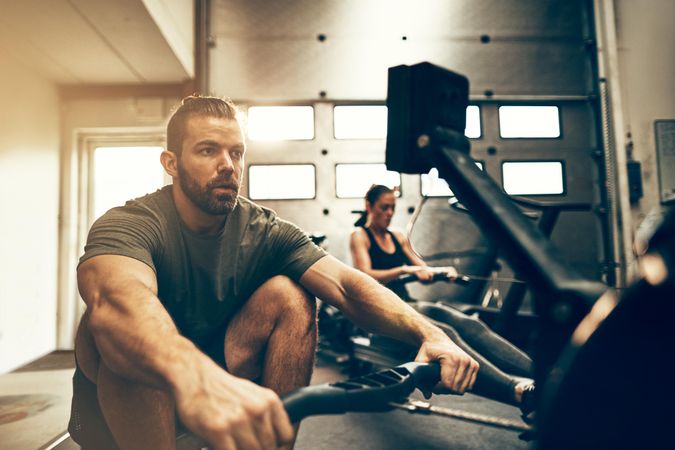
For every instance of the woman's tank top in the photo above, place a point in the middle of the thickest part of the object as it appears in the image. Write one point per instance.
(381, 260)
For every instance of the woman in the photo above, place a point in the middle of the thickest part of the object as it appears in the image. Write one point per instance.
(387, 254)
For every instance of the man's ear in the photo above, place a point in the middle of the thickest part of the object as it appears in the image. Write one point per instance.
(169, 161)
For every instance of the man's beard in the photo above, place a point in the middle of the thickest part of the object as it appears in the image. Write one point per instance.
(204, 197)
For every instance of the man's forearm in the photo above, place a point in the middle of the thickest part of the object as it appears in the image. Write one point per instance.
(143, 344)
(386, 275)
(378, 310)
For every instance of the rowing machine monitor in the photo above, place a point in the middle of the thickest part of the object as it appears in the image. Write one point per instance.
(421, 98)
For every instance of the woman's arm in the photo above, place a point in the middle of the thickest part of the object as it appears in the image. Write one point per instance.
(422, 272)
(359, 245)
(413, 257)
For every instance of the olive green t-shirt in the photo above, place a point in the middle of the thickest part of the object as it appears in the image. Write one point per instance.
(203, 280)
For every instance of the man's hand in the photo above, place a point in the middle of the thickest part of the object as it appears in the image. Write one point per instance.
(232, 413)
(458, 370)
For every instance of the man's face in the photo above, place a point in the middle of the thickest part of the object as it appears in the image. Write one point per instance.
(211, 164)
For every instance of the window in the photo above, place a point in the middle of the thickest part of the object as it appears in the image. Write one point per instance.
(123, 173)
(472, 129)
(354, 180)
(370, 122)
(360, 122)
(281, 182)
(529, 122)
(435, 186)
(279, 123)
(533, 177)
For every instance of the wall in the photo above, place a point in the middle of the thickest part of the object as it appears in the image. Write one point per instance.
(322, 52)
(646, 41)
(29, 194)
(94, 114)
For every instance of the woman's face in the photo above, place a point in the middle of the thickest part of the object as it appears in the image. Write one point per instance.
(382, 211)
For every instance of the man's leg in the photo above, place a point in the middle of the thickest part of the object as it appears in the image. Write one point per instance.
(139, 417)
(273, 337)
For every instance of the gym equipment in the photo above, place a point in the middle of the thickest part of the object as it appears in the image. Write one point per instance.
(420, 140)
(368, 393)
(516, 327)
(381, 391)
(606, 375)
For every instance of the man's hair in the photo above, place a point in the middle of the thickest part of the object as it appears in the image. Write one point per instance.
(196, 106)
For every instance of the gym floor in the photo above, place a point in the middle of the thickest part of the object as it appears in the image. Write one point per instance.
(35, 404)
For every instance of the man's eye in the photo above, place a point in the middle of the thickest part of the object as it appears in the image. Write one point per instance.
(206, 151)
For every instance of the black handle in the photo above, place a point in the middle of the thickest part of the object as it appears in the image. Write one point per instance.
(372, 392)
(438, 276)
(425, 375)
(313, 400)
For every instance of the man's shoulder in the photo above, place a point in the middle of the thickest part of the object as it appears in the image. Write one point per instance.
(263, 219)
(252, 210)
(158, 200)
(151, 208)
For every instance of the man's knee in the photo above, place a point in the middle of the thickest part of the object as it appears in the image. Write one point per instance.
(279, 308)
(290, 299)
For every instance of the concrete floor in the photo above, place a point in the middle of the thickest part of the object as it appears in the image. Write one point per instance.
(35, 405)
(34, 408)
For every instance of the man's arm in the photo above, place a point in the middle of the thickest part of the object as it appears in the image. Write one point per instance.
(137, 339)
(378, 310)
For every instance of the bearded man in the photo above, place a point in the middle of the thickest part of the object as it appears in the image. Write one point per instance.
(201, 306)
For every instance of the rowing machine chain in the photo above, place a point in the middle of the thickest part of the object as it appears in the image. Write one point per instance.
(420, 407)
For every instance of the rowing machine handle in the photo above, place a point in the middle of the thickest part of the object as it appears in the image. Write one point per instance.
(438, 276)
(425, 375)
(315, 400)
(368, 393)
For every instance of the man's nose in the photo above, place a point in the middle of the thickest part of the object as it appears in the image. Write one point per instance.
(225, 163)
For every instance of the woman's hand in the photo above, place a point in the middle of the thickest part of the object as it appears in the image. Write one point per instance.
(423, 273)
(449, 271)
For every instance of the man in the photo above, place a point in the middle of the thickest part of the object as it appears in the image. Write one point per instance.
(193, 279)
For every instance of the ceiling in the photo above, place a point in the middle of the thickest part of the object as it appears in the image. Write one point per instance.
(79, 42)
(301, 49)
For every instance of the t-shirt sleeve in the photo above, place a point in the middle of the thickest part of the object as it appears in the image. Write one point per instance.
(291, 249)
(130, 231)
